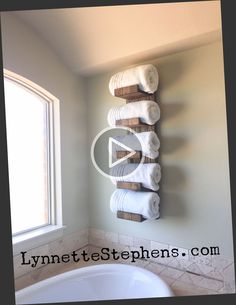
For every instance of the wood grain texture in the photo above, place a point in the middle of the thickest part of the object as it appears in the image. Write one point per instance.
(132, 93)
(149, 160)
(130, 216)
(149, 97)
(122, 153)
(136, 125)
(143, 128)
(133, 186)
(129, 185)
(136, 158)
(129, 122)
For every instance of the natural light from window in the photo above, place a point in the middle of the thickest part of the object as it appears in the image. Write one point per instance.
(28, 151)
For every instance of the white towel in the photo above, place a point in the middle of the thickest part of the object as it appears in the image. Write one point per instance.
(147, 111)
(146, 76)
(148, 174)
(149, 143)
(144, 203)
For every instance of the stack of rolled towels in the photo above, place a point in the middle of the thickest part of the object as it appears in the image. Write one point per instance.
(149, 143)
(145, 76)
(144, 203)
(149, 174)
(147, 111)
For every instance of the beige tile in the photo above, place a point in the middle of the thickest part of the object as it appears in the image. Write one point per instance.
(82, 238)
(164, 252)
(94, 241)
(126, 240)
(172, 273)
(23, 281)
(158, 246)
(111, 237)
(93, 248)
(216, 274)
(185, 289)
(194, 268)
(20, 269)
(103, 243)
(74, 241)
(97, 233)
(205, 269)
(56, 247)
(162, 260)
(155, 268)
(229, 273)
(145, 243)
(107, 244)
(119, 247)
(49, 271)
(211, 284)
(220, 262)
(137, 263)
(42, 250)
(138, 253)
(183, 253)
(99, 262)
(131, 259)
(181, 264)
(201, 259)
(201, 281)
(167, 279)
(83, 232)
(140, 263)
(191, 279)
(228, 287)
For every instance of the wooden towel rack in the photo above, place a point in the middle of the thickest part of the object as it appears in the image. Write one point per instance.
(133, 94)
(136, 158)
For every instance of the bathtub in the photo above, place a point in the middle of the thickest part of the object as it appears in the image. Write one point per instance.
(98, 282)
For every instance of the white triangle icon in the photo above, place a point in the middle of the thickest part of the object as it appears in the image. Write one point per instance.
(111, 141)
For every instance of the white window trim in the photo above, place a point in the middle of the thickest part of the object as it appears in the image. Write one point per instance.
(37, 237)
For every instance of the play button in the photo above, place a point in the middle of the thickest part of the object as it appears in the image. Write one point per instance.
(119, 144)
(113, 148)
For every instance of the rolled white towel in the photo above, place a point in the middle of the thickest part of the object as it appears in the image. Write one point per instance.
(149, 141)
(147, 111)
(146, 76)
(148, 174)
(144, 203)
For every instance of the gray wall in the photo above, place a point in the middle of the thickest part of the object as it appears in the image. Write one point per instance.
(195, 189)
(28, 55)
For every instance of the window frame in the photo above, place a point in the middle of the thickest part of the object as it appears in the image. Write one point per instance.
(37, 236)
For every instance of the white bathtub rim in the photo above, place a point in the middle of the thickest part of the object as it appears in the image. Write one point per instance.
(94, 268)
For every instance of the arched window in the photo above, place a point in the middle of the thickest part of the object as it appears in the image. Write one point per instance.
(32, 124)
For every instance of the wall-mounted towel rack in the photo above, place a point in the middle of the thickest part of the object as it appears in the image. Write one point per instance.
(130, 216)
(133, 94)
(135, 124)
(134, 186)
(136, 158)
